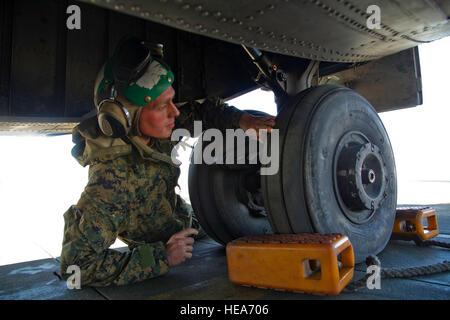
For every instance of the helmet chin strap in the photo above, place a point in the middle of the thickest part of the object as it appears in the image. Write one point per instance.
(135, 123)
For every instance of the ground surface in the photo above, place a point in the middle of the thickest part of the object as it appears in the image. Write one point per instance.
(204, 277)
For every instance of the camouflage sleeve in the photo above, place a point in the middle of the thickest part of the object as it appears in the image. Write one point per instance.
(93, 225)
(212, 112)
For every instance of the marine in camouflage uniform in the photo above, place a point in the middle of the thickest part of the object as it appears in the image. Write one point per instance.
(130, 195)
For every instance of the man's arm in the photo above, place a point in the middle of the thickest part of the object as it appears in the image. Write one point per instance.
(93, 225)
(212, 112)
(215, 114)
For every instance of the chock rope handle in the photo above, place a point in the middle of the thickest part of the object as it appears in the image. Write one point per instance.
(392, 273)
(428, 243)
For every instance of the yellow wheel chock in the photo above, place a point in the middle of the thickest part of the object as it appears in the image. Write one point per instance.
(409, 224)
(312, 263)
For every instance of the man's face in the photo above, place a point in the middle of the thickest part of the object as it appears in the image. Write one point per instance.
(158, 117)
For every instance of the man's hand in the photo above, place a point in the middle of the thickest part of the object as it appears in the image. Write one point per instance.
(180, 246)
(248, 121)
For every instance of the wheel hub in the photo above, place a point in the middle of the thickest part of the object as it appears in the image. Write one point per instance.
(360, 177)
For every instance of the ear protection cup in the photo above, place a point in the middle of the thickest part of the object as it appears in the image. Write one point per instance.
(113, 118)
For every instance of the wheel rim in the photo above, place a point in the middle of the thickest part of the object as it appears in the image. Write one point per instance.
(325, 131)
(359, 177)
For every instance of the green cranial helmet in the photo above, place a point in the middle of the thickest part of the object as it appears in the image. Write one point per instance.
(155, 80)
(135, 72)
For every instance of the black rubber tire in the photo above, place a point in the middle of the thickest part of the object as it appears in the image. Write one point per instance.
(319, 118)
(214, 199)
(200, 186)
(272, 184)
